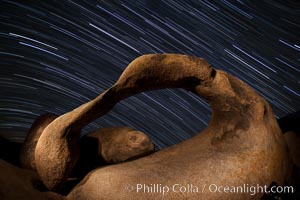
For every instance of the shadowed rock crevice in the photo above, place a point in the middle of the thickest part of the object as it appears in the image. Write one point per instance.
(10, 151)
(24, 184)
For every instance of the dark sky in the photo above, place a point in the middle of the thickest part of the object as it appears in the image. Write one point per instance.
(57, 55)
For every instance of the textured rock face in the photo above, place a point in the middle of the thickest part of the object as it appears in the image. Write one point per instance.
(110, 146)
(242, 144)
(27, 157)
(22, 184)
(117, 144)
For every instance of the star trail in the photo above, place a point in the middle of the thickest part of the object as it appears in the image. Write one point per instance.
(57, 55)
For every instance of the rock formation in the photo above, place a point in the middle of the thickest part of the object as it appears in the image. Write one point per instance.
(242, 144)
(104, 146)
(27, 157)
(110, 146)
(118, 144)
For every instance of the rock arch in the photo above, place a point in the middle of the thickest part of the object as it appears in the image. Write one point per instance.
(242, 142)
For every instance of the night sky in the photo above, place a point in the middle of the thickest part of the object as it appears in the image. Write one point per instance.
(57, 55)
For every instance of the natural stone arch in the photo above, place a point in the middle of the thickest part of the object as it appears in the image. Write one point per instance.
(242, 126)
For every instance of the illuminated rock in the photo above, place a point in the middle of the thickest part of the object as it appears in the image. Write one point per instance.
(27, 159)
(117, 144)
(242, 143)
(109, 146)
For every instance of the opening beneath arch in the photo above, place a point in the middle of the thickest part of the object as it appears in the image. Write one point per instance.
(167, 116)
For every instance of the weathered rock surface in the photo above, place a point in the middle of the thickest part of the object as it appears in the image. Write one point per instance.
(109, 146)
(16, 183)
(242, 144)
(27, 157)
(118, 144)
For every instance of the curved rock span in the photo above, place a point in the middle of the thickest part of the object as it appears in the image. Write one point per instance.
(241, 145)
